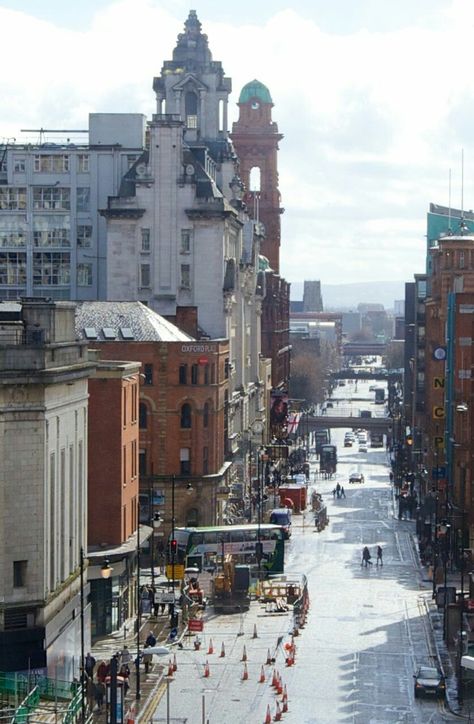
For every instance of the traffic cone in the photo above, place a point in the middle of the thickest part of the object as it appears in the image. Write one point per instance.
(261, 679)
(245, 674)
(268, 718)
(269, 658)
(255, 634)
(244, 654)
(175, 663)
(207, 671)
(222, 650)
(277, 713)
(284, 701)
(279, 686)
(289, 659)
(131, 714)
(211, 648)
(274, 677)
(170, 668)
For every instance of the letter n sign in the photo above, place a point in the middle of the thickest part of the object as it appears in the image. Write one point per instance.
(438, 441)
(438, 383)
(438, 412)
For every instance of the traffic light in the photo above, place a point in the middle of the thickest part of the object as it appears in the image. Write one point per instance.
(409, 439)
(173, 547)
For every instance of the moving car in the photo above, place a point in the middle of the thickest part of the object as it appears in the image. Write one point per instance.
(363, 447)
(348, 442)
(356, 478)
(429, 680)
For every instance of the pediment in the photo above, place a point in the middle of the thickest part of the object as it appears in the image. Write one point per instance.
(190, 79)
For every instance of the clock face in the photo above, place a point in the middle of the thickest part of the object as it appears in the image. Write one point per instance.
(439, 353)
(255, 105)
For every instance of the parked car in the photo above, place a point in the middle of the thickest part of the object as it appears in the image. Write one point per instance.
(363, 447)
(348, 441)
(329, 404)
(429, 680)
(356, 478)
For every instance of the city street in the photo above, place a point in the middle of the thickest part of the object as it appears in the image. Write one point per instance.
(367, 627)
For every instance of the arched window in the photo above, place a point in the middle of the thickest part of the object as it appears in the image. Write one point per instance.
(205, 415)
(190, 109)
(186, 415)
(143, 416)
(254, 179)
(192, 518)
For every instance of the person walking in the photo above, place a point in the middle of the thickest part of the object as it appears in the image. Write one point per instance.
(125, 655)
(343, 492)
(150, 639)
(89, 664)
(379, 555)
(338, 490)
(99, 694)
(366, 557)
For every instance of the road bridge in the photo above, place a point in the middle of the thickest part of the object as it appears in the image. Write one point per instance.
(318, 422)
(349, 373)
(360, 349)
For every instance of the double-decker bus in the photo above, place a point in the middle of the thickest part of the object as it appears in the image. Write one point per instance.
(379, 395)
(202, 547)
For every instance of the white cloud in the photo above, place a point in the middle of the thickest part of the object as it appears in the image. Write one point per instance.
(372, 120)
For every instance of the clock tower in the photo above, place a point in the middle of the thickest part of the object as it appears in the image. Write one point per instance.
(255, 137)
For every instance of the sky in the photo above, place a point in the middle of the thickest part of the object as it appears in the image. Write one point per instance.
(375, 99)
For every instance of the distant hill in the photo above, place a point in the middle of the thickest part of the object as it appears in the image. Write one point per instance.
(348, 296)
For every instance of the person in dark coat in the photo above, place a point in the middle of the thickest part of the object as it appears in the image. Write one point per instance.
(366, 557)
(89, 665)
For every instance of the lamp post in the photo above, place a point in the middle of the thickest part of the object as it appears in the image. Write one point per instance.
(83, 682)
(444, 530)
(189, 490)
(139, 613)
(461, 601)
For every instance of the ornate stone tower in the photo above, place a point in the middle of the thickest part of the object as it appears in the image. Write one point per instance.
(255, 137)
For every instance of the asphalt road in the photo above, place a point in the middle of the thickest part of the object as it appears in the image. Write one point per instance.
(366, 631)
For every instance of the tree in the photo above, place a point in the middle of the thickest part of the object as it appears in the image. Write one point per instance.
(310, 374)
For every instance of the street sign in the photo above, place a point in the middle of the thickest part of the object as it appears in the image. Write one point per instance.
(177, 569)
(195, 624)
(438, 473)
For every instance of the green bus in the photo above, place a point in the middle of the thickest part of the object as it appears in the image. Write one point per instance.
(202, 547)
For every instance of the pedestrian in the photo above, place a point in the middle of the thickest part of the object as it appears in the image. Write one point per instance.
(102, 671)
(147, 660)
(390, 475)
(150, 639)
(379, 555)
(99, 694)
(338, 490)
(125, 655)
(343, 492)
(125, 673)
(334, 493)
(89, 664)
(156, 602)
(366, 557)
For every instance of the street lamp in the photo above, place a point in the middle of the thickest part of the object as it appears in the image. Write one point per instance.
(137, 663)
(173, 543)
(444, 530)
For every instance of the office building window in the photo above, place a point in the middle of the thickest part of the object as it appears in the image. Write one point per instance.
(84, 275)
(194, 374)
(19, 574)
(51, 198)
(13, 230)
(185, 241)
(143, 416)
(51, 230)
(83, 200)
(51, 268)
(146, 239)
(83, 163)
(148, 372)
(185, 276)
(19, 164)
(84, 236)
(185, 461)
(12, 198)
(12, 268)
(49, 163)
(142, 468)
(186, 418)
(183, 374)
(145, 277)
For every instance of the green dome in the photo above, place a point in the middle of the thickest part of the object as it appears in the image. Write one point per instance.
(255, 89)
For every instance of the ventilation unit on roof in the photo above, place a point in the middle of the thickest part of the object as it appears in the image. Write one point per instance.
(127, 333)
(90, 332)
(109, 333)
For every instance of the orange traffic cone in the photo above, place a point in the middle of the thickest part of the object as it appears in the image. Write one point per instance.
(274, 678)
(289, 659)
(268, 718)
(175, 663)
(170, 668)
(244, 654)
(131, 714)
(211, 648)
(261, 679)
(284, 701)
(207, 671)
(245, 674)
(279, 686)
(277, 713)
(222, 650)
(255, 634)
(269, 658)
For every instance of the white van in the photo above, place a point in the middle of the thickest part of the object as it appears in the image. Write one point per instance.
(282, 517)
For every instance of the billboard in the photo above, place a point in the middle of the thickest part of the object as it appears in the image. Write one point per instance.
(279, 414)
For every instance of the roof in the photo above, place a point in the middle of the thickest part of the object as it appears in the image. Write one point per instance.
(255, 89)
(124, 322)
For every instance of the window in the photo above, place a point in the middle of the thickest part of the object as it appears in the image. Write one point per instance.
(83, 200)
(148, 371)
(133, 415)
(205, 461)
(124, 471)
(134, 459)
(12, 198)
(194, 374)
(206, 374)
(13, 268)
(142, 462)
(462, 261)
(19, 574)
(144, 275)
(146, 240)
(183, 374)
(51, 269)
(51, 230)
(185, 241)
(84, 275)
(226, 368)
(83, 163)
(185, 461)
(186, 416)
(131, 159)
(47, 163)
(185, 276)
(53, 198)
(84, 236)
(124, 421)
(205, 415)
(13, 230)
(143, 416)
(19, 164)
